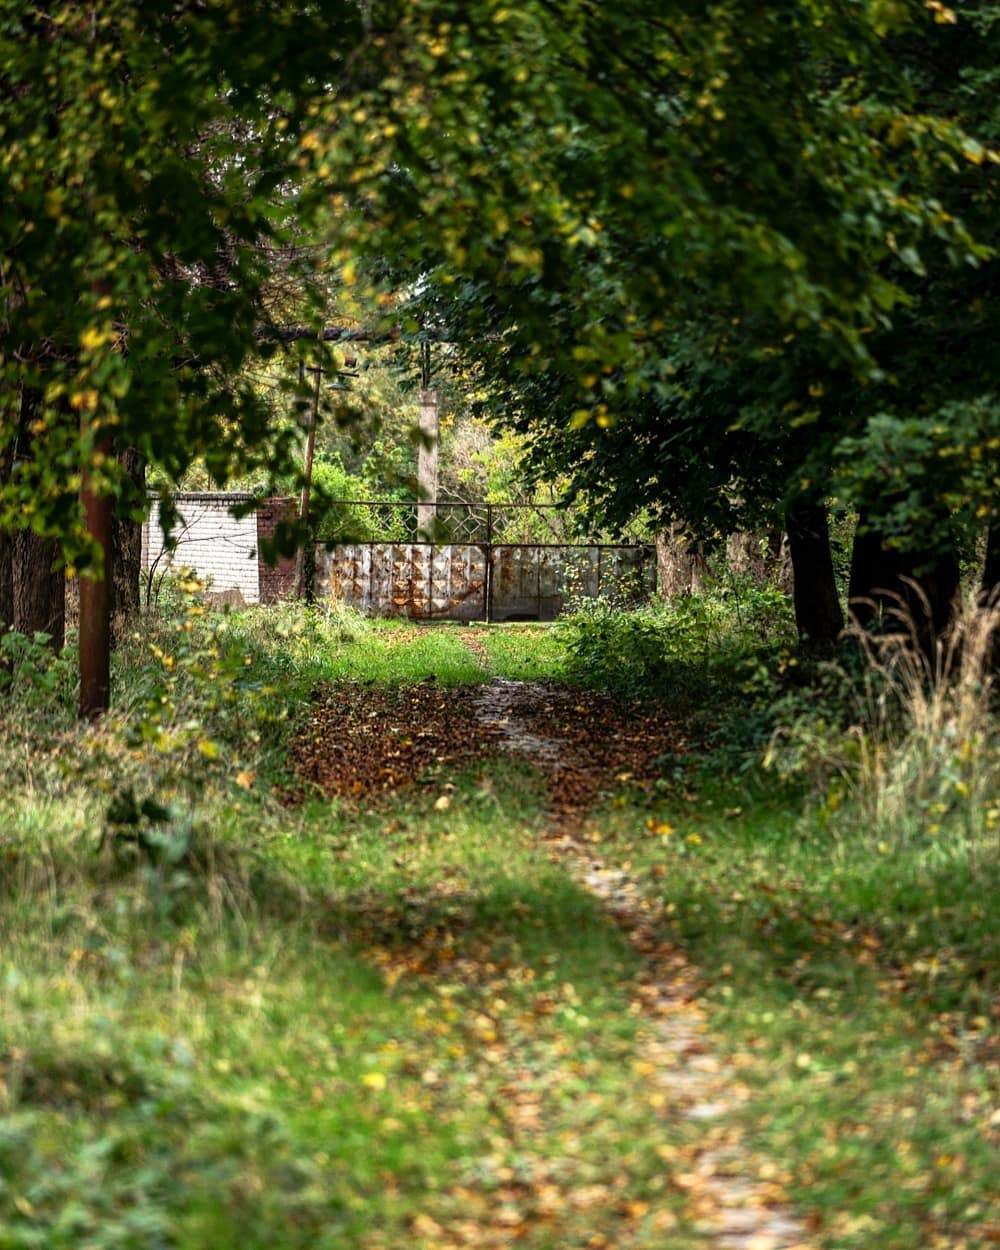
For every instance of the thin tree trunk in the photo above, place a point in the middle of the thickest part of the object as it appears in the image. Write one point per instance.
(33, 597)
(126, 548)
(305, 572)
(6, 582)
(818, 615)
(95, 598)
(989, 596)
(990, 585)
(6, 551)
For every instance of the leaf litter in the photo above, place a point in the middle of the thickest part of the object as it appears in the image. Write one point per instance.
(364, 742)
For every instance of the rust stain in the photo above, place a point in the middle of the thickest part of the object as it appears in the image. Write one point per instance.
(448, 582)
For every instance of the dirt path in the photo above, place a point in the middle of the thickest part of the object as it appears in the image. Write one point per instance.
(362, 742)
(736, 1212)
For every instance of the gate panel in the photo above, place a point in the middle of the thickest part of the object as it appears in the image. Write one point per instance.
(416, 581)
(514, 594)
(457, 583)
(468, 582)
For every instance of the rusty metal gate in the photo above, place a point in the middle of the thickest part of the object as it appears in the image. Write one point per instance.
(473, 562)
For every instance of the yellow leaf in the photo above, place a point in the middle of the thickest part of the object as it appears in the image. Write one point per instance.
(92, 338)
(246, 778)
(374, 1080)
(85, 401)
(208, 748)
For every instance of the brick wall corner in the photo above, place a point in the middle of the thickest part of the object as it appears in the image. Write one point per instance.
(277, 581)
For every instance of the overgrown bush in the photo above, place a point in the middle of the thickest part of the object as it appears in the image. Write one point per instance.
(339, 520)
(31, 672)
(675, 647)
(204, 702)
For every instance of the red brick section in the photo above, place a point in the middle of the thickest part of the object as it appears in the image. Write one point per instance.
(277, 581)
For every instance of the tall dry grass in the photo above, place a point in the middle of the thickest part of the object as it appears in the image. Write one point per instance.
(928, 739)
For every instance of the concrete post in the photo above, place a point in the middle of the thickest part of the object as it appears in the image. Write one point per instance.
(427, 463)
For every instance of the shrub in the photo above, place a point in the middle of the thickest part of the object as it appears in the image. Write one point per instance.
(361, 523)
(681, 646)
(30, 671)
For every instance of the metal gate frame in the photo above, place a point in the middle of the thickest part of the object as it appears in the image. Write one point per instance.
(479, 525)
(647, 553)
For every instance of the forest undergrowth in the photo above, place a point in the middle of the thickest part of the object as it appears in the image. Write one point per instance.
(286, 961)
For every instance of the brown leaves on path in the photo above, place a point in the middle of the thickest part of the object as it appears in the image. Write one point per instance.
(364, 740)
(361, 741)
(584, 742)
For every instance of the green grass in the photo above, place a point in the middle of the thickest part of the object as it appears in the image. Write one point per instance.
(523, 652)
(853, 988)
(320, 1027)
(313, 1047)
(342, 1026)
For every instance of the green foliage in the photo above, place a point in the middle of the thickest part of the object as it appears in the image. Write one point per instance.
(902, 463)
(674, 648)
(819, 254)
(720, 387)
(141, 233)
(334, 484)
(30, 672)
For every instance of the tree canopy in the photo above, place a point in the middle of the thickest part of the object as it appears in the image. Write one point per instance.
(706, 259)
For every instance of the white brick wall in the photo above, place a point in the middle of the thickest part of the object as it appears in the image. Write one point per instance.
(219, 547)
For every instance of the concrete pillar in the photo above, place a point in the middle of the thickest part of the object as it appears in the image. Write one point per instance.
(427, 462)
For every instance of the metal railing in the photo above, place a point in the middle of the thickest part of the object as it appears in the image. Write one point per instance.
(453, 522)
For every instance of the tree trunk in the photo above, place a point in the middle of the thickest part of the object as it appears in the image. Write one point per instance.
(6, 582)
(989, 591)
(902, 591)
(95, 592)
(990, 586)
(818, 615)
(757, 555)
(39, 589)
(680, 563)
(6, 592)
(126, 548)
(781, 561)
(32, 591)
(6, 551)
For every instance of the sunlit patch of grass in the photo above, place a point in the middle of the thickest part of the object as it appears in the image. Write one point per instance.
(428, 653)
(519, 652)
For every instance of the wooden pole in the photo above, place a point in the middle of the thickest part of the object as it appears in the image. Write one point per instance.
(95, 593)
(305, 581)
